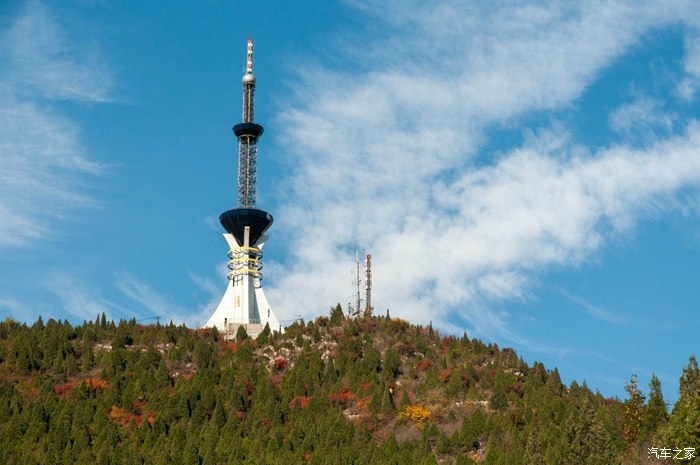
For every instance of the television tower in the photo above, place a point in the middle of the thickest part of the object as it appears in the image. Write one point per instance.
(244, 302)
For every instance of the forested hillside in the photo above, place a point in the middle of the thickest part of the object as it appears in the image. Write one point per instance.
(333, 391)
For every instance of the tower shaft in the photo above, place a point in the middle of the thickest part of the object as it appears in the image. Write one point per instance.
(247, 160)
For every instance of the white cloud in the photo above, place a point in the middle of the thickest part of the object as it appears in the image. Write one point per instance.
(642, 119)
(385, 159)
(42, 160)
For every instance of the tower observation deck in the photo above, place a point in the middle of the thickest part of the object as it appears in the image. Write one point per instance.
(244, 302)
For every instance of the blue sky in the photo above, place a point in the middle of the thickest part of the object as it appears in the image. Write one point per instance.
(526, 172)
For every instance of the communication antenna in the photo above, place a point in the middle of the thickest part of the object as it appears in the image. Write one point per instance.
(368, 284)
(358, 301)
(355, 281)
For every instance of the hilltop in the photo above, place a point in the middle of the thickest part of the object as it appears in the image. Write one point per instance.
(330, 391)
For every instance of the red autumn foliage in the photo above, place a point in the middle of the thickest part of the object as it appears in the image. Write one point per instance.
(233, 346)
(362, 403)
(307, 456)
(137, 416)
(188, 375)
(63, 390)
(492, 373)
(446, 344)
(300, 401)
(281, 363)
(124, 417)
(139, 405)
(517, 388)
(445, 375)
(424, 364)
(342, 399)
(204, 331)
(249, 386)
(95, 383)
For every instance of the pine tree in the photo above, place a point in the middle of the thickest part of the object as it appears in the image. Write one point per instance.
(264, 336)
(535, 447)
(586, 441)
(684, 424)
(656, 410)
(337, 315)
(391, 366)
(241, 333)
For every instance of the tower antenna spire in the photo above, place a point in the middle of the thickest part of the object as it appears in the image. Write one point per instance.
(248, 133)
(249, 65)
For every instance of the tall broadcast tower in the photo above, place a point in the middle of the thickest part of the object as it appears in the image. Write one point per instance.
(244, 302)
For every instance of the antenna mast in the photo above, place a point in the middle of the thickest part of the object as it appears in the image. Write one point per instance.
(248, 134)
(355, 280)
(368, 284)
(358, 302)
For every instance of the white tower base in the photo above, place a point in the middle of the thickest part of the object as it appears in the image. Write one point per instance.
(244, 302)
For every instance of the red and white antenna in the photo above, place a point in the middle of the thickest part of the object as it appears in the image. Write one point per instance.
(249, 66)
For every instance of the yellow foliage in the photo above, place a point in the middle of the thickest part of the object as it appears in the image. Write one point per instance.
(416, 413)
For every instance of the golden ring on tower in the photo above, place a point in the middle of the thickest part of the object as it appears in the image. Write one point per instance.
(246, 249)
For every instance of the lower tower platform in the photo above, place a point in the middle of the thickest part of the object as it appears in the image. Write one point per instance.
(244, 302)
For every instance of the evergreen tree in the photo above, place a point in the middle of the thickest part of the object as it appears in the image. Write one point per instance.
(586, 441)
(656, 412)
(264, 336)
(337, 315)
(684, 424)
(391, 366)
(241, 333)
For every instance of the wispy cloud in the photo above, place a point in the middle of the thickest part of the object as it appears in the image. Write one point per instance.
(688, 86)
(39, 60)
(80, 300)
(594, 310)
(151, 303)
(642, 119)
(389, 157)
(42, 159)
